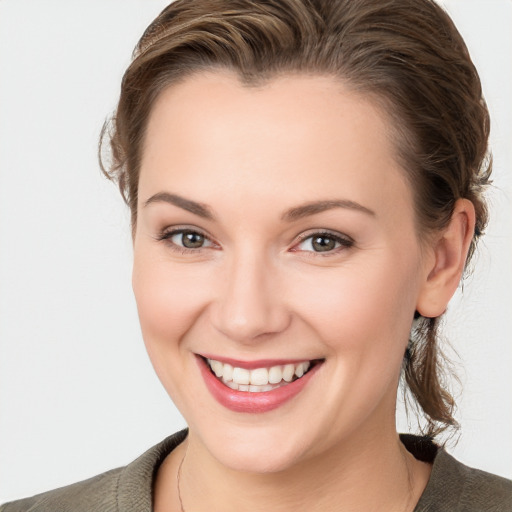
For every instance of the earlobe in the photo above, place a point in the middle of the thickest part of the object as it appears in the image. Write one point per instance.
(444, 269)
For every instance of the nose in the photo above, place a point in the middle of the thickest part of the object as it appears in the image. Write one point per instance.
(250, 303)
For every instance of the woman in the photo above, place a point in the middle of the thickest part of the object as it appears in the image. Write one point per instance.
(305, 183)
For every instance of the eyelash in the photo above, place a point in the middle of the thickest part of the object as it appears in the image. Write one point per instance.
(344, 241)
(166, 236)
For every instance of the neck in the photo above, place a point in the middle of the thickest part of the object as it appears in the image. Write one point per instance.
(380, 475)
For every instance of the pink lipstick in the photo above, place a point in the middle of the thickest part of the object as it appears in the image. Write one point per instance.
(254, 402)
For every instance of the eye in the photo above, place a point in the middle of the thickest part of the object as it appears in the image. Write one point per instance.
(188, 239)
(324, 243)
(185, 239)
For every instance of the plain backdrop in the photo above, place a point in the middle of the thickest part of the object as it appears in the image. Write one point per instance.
(78, 395)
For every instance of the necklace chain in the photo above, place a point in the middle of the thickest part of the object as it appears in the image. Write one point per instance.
(182, 508)
(178, 476)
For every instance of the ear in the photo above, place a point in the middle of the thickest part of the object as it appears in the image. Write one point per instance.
(445, 263)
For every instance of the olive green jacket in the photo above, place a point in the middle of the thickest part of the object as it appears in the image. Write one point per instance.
(453, 487)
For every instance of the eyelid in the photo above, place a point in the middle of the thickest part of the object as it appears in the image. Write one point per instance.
(345, 241)
(326, 232)
(167, 233)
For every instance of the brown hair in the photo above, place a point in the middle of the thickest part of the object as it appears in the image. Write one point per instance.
(406, 54)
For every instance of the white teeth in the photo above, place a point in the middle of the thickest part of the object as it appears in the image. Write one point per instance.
(227, 372)
(288, 372)
(275, 375)
(240, 375)
(260, 389)
(301, 369)
(217, 367)
(258, 379)
(250, 388)
(259, 376)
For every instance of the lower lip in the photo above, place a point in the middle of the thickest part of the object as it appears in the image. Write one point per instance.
(244, 401)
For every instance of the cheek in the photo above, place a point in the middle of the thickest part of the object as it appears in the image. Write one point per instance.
(362, 316)
(360, 308)
(169, 300)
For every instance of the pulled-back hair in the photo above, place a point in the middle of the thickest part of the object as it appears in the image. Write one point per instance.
(406, 55)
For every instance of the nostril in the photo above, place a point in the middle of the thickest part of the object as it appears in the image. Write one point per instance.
(249, 306)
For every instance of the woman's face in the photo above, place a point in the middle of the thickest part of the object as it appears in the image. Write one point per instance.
(275, 228)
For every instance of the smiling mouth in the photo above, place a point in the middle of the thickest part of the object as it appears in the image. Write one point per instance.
(258, 380)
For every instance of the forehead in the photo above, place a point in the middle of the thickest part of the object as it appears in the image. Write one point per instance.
(307, 135)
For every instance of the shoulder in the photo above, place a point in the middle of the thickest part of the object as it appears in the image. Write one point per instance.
(477, 490)
(125, 488)
(97, 493)
(455, 486)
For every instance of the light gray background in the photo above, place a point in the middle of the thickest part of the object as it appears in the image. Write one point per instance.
(77, 392)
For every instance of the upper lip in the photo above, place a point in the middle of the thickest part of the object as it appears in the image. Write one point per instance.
(257, 363)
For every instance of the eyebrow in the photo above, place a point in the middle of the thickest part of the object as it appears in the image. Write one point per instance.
(315, 207)
(200, 209)
(291, 215)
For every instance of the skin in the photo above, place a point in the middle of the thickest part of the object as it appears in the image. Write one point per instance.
(257, 290)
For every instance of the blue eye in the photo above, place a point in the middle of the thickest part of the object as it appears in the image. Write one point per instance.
(324, 243)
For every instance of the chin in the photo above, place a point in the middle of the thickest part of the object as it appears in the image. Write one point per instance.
(256, 460)
(255, 449)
